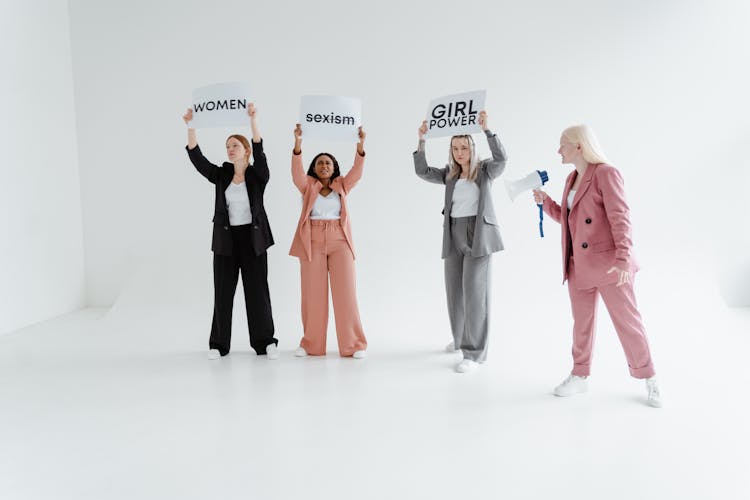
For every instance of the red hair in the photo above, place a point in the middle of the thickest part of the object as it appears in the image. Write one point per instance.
(245, 143)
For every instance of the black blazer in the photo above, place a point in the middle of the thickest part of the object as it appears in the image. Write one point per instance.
(256, 178)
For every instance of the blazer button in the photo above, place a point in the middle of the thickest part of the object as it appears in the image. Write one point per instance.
(585, 245)
(226, 228)
(588, 221)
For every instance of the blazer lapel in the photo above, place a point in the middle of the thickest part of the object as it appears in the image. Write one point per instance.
(450, 185)
(584, 185)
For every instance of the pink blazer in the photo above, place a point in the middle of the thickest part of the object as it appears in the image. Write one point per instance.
(598, 225)
(310, 188)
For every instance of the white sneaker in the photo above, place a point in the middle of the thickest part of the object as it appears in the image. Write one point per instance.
(467, 366)
(214, 354)
(654, 398)
(359, 354)
(272, 351)
(300, 352)
(571, 385)
(451, 348)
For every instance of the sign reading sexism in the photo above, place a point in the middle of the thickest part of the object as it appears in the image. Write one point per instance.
(330, 117)
(455, 114)
(221, 105)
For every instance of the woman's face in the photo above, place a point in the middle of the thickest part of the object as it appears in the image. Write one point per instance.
(236, 151)
(568, 151)
(461, 151)
(324, 167)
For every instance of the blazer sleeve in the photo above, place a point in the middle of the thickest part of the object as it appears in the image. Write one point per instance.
(204, 167)
(552, 209)
(612, 188)
(355, 173)
(299, 177)
(496, 165)
(424, 171)
(260, 164)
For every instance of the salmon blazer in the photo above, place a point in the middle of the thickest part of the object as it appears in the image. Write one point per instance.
(310, 188)
(487, 238)
(598, 226)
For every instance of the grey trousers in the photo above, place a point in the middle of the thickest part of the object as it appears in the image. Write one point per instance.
(467, 287)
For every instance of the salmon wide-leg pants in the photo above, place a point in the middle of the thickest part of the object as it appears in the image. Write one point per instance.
(622, 307)
(331, 256)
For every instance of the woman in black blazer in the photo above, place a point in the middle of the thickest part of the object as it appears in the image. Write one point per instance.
(241, 235)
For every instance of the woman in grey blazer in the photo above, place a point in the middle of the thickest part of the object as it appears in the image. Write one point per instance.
(470, 237)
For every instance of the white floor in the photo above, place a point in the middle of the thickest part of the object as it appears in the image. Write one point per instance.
(123, 404)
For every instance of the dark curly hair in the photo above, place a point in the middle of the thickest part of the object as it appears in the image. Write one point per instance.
(336, 171)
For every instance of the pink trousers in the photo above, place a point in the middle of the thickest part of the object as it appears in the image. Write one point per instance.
(331, 256)
(622, 307)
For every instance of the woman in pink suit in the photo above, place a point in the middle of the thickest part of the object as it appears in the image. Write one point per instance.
(323, 244)
(597, 259)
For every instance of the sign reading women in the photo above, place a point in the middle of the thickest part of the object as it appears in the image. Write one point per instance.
(455, 114)
(221, 105)
(330, 117)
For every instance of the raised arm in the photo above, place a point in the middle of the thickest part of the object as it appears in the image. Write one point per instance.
(204, 167)
(299, 177)
(355, 173)
(192, 139)
(260, 165)
(252, 113)
(496, 165)
(424, 171)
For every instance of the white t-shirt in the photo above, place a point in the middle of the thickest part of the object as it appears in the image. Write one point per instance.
(326, 207)
(571, 195)
(465, 199)
(238, 204)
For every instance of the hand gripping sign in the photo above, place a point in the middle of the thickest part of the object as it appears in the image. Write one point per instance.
(330, 117)
(455, 114)
(221, 105)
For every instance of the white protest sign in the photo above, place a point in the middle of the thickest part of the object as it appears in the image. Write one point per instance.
(455, 114)
(220, 105)
(330, 117)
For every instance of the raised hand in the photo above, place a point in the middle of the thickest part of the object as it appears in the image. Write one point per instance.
(361, 143)
(483, 119)
(188, 116)
(251, 110)
(422, 130)
(297, 139)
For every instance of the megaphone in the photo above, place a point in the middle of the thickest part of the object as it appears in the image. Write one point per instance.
(534, 180)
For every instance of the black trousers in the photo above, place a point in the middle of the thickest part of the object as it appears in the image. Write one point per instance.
(254, 271)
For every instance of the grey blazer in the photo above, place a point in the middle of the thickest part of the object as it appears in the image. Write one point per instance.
(486, 232)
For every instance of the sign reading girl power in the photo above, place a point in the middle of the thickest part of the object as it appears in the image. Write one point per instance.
(455, 114)
(221, 105)
(330, 117)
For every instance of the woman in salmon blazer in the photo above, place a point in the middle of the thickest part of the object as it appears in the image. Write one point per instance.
(597, 259)
(323, 244)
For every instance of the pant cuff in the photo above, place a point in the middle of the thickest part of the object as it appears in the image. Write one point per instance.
(645, 372)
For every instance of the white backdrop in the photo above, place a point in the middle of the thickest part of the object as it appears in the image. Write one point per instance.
(662, 82)
(41, 231)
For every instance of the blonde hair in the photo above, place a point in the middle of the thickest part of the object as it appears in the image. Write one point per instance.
(455, 168)
(590, 147)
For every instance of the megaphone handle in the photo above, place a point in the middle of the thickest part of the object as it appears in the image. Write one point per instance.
(541, 218)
